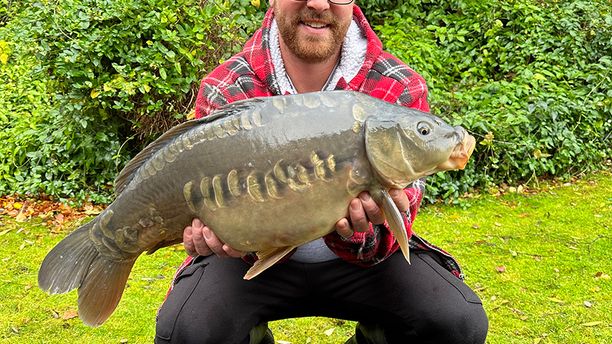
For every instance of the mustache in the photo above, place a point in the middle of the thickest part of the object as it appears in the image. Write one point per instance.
(308, 14)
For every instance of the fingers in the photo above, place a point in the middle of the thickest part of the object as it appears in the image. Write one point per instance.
(400, 199)
(372, 211)
(231, 252)
(363, 211)
(198, 242)
(199, 239)
(188, 241)
(357, 214)
(343, 228)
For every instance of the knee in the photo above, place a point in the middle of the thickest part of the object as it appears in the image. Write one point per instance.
(467, 324)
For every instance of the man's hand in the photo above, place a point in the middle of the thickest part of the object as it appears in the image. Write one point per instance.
(363, 210)
(200, 240)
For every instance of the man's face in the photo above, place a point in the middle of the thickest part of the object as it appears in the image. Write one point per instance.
(312, 30)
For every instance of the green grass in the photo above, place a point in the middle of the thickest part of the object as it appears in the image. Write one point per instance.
(540, 262)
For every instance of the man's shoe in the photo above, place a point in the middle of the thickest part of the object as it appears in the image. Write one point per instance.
(261, 334)
(368, 334)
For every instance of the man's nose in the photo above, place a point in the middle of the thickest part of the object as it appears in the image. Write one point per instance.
(318, 5)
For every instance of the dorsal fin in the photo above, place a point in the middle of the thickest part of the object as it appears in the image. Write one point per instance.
(129, 171)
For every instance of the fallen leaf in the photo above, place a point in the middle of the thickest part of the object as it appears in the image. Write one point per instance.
(21, 216)
(70, 314)
(4, 232)
(500, 269)
(329, 332)
(92, 211)
(601, 275)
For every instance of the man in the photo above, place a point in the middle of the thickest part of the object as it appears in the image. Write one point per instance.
(353, 273)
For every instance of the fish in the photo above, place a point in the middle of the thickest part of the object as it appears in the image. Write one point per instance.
(266, 174)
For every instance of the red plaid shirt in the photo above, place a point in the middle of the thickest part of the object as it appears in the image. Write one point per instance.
(251, 74)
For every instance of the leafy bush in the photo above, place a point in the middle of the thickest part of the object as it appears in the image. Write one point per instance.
(7, 9)
(108, 76)
(378, 10)
(531, 80)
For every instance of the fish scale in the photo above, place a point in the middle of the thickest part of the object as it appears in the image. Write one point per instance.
(221, 190)
(265, 174)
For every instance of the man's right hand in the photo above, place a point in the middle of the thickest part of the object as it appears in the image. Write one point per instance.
(199, 240)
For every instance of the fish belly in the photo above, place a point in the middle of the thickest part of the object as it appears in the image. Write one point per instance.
(296, 217)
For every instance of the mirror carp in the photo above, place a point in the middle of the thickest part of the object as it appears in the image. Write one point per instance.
(266, 174)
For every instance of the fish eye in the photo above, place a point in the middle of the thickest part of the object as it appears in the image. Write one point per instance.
(424, 128)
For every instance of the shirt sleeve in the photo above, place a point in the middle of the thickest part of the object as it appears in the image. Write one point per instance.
(374, 246)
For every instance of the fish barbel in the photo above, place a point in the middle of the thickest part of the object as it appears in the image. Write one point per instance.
(266, 174)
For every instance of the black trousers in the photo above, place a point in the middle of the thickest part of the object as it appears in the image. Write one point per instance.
(417, 303)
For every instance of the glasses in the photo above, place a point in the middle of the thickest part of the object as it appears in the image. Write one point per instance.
(335, 2)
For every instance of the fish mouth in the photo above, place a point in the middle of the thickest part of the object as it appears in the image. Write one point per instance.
(460, 155)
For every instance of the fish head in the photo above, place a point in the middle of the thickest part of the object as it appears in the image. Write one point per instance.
(408, 144)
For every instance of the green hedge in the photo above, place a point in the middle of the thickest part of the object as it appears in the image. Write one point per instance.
(89, 82)
(530, 79)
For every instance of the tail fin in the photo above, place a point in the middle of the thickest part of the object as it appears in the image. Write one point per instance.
(76, 263)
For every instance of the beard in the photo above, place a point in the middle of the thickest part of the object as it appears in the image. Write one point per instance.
(311, 48)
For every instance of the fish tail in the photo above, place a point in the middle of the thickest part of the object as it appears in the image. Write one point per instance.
(76, 263)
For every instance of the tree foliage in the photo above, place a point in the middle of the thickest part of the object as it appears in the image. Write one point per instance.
(89, 82)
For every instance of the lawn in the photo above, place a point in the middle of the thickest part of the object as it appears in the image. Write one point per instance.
(539, 260)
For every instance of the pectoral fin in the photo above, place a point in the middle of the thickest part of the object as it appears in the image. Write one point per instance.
(396, 223)
(266, 260)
